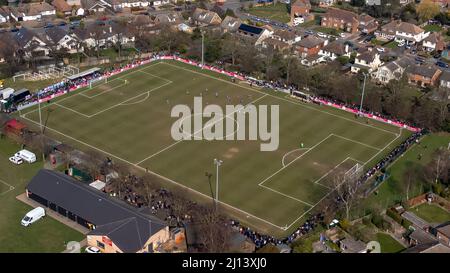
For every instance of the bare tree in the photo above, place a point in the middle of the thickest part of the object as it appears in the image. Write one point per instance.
(214, 232)
(346, 190)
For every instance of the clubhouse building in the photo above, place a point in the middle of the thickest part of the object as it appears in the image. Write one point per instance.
(114, 226)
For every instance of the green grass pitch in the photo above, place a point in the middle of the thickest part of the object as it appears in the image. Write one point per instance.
(128, 118)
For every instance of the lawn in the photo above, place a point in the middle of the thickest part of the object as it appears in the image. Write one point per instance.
(431, 213)
(392, 44)
(327, 30)
(388, 194)
(432, 28)
(274, 188)
(277, 12)
(46, 235)
(388, 244)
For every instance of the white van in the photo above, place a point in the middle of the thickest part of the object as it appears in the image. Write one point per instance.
(32, 216)
(26, 155)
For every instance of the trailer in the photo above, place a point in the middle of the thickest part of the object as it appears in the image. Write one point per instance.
(5, 93)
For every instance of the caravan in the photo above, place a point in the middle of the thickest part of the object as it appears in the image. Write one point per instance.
(26, 155)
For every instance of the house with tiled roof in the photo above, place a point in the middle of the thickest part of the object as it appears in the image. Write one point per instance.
(340, 19)
(253, 33)
(171, 18)
(62, 39)
(95, 6)
(367, 24)
(443, 233)
(310, 46)
(230, 24)
(4, 14)
(393, 70)
(31, 44)
(300, 12)
(434, 42)
(368, 61)
(444, 79)
(62, 7)
(401, 32)
(32, 11)
(423, 75)
(287, 36)
(202, 17)
(335, 49)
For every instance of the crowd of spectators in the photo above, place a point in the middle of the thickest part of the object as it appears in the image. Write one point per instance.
(159, 202)
(261, 240)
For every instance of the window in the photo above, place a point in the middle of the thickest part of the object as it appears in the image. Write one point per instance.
(101, 245)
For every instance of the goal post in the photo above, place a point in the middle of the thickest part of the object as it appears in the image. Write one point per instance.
(354, 172)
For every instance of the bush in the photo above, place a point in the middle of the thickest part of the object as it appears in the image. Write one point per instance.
(394, 215)
(345, 224)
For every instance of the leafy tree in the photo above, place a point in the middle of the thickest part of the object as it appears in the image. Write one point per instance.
(427, 9)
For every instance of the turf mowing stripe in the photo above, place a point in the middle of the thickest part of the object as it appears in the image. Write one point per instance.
(194, 133)
(290, 101)
(160, 176)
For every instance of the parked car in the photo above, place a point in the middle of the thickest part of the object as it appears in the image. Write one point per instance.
(442, 64)
(32, 216)
(381, 49)
(92, 249)
(16, 160)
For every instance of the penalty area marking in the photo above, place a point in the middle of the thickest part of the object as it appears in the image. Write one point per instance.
(288, 153)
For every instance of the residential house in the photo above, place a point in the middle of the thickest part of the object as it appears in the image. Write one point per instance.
(287, 36)
(172, 18)
(114, 226)
(4, 14)
(120, 5)
(253, 33)
(423, 76)
(95, 6)
(443, 232)
(420, 237)
(202, 17)
(393, 70)
(104, 36)
(368, 61)
(62, 7)
(63, 40)
(275, 44)
(300, 12)
(335, 49)
(30, 44)
(401, 32)
(428, 248)
(340, 19)
(367, 24)
(444, 79)
(230, 24)
(32, 11)
(310, 46)
(434, 42)
(326, 3)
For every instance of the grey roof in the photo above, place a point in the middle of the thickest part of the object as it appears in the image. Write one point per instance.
(428, 248)
(422, 70)
(422, 237)
(123, 224)
(445, 76)
(351, 245)
(230, 23)
(414, 219)
(336, 47)
(56, 33)
(23, 36)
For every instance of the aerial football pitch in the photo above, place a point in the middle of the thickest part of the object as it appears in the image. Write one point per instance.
(128, 118)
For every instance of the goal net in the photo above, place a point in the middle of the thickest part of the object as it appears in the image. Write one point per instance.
(354, 172)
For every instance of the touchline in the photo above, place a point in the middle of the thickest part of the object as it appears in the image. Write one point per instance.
(227, 125)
